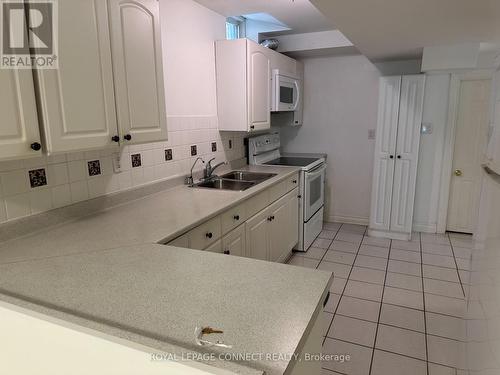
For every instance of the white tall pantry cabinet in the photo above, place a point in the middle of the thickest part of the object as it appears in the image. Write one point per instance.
(396, 156)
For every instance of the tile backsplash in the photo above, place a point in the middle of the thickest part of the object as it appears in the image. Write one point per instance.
(36, 185)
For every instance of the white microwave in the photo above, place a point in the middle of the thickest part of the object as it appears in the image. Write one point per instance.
(287, 92)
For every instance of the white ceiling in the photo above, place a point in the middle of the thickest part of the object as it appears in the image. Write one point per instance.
(399, 29)
(299, 15)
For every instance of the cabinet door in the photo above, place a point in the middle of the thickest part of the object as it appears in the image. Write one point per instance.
(77, 100)
(259, 87)
(257, 235)
(283, 227)
(138, 70)
(234, 243)
(385, 148)
(215, 247)
(407, 145)
(19, 121)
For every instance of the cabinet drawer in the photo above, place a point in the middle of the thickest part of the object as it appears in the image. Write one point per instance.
(278, 190)
(257, 203)
(292, 182)
(233, 217)
(207, 233)
(215, 247)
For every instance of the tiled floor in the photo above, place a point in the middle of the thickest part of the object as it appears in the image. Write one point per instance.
(395, 307)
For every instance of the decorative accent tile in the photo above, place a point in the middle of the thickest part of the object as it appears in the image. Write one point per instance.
(94, 167)
(194, 150)
(214, 146)
(168, 154)
(230, 144)
(38, 177)
(136, 160)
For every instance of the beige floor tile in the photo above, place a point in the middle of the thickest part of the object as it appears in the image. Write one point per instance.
(339, 257)
(401, 341)
(406, 256)
(463, 264)
(446, 352)
(440, 370)
(353, 330)
(339, 270)
(399, 280)
(349, 237)
(405, 267)
(402, 317)
(338, 285)
(445, 305)
(360, 357)
(405, 245)
(332, 303)
(431, 238)
(375, 241)
(440, 273)
(313, 253)
(446, 326)
(462, 242)
(353, 228)
(374, 251)
(347, 247)
(367, 275)
(359, 308)
(327, 234)
(436, 249)
(405, 298)
(327, 319)
(322, 243)
(385, 363)
(462, 253)
(362, 290)
(443, 288)
(297, 260)
(331, 226)
(438, 260)
(371, 262)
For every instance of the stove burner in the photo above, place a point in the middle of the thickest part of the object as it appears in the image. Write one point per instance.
(292, 161)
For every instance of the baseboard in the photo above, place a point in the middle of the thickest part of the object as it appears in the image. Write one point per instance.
(391, 235)
(348, 219)
(425, 228)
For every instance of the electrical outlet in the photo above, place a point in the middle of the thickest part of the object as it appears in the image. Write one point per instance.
(117, 163)
(371, 133)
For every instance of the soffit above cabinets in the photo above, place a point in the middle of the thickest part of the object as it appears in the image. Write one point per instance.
(400, 29)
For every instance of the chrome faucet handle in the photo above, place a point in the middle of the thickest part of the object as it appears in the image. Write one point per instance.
(189, 179)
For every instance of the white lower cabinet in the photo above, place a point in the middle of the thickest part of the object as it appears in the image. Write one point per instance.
(269, 234)
(272, 233)
(234, 243)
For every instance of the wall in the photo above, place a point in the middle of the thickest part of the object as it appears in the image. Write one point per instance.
(191, 110)
(341, 100)
(431, 153)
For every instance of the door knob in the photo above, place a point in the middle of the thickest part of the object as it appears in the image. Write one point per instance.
(458, 172)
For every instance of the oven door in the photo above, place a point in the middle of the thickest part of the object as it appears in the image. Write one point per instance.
(314, 191)
(286, 94)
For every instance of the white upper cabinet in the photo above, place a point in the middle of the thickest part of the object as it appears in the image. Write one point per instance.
(243, 85)
(19, 134)
(138, 70)
(77, 101)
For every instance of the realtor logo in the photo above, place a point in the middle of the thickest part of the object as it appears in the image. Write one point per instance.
(29, 31)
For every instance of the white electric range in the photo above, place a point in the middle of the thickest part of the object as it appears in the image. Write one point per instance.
(265, 150)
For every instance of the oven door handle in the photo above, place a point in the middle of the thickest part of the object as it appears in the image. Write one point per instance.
(319, 170)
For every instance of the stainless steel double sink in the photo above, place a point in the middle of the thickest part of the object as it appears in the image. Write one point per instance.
(235, 180)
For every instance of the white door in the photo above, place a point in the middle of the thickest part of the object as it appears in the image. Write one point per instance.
(470, 145)
(77, 100)
(138, 70)
(385, 149)
(407, 145)
(259, 87)
(234, 243)
(257, 238)
(19, 133)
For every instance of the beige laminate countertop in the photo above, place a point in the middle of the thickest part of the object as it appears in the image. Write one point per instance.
(105, 271)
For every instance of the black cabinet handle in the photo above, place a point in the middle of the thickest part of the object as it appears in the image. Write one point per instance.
(127, 137)
(294, 181)
(252, 127)
(209, 235)
(227, 252)
(269, 218)
(392, 156)
(115, 138)
(399, 156)
(35, 146)
(236, 217)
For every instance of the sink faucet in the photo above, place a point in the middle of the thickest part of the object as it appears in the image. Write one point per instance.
(209, 170)
(189, 179)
